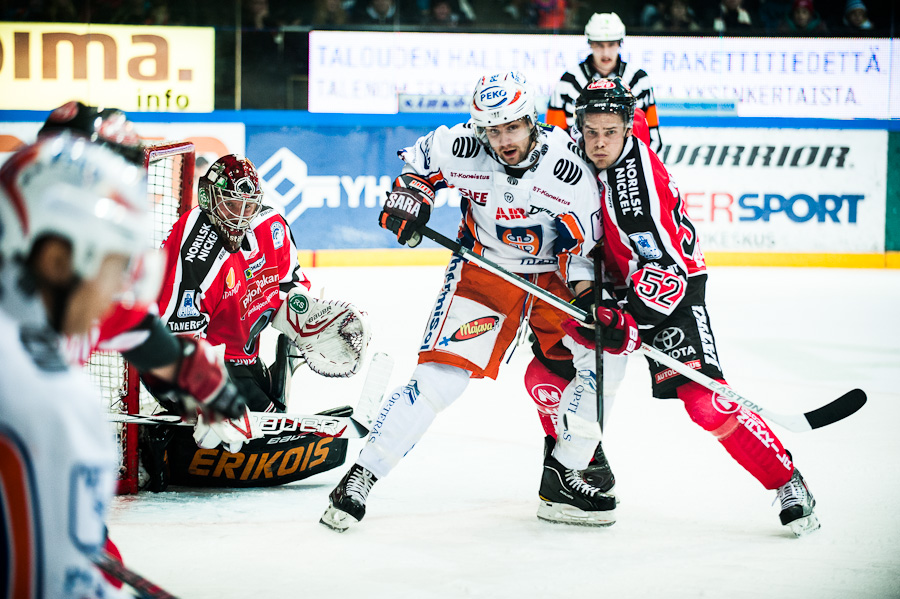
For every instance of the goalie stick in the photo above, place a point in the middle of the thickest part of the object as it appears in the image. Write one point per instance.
(847, 404)
(272, 423)
(116, 569)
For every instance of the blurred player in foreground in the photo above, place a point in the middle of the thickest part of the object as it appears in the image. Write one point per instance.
(527, 200)
(654, 260)
(72, 221)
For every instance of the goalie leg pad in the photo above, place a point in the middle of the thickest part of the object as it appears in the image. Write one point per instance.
(743, 434)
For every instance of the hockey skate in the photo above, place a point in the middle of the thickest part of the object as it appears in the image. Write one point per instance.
(597, 474)
(347, 502)
(797, 505)
(567, 498)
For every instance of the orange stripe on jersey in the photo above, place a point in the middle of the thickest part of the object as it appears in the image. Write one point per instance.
(436, 178)
(570, 223)
(557, 117)
(470, 228)
(19, 520)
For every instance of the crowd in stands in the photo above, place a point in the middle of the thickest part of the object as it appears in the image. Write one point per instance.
(716, 17)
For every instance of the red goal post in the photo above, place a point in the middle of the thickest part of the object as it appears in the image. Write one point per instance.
(170, 183)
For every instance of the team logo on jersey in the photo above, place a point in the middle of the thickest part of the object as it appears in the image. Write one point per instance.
(526, 239)
(187, 308)
(567, 171)
(277, 235)
(230, 279)
(475, 328)
(465, 147)
(646, 245)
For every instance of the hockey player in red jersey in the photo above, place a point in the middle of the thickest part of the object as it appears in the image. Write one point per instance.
(72, 218)
(529, 203)
(653, 258)
(184, 368)
(232, 271)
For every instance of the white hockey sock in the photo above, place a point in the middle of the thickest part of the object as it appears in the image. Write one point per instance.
(407, 414)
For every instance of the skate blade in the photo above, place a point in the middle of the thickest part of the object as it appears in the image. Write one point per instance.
(336, 519)
(563, 513)
(804, 526)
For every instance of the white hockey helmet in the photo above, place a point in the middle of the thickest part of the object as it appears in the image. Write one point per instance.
(83, 192)
(502, 98)
(605, 27)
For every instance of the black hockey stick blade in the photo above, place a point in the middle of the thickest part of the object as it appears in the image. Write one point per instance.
(847, 404)
(143, 587)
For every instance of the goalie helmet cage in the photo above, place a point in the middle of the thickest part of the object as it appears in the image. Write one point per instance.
(170, 182)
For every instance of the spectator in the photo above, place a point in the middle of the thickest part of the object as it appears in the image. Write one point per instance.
(377, 12)
(329, 12)
(652, 15)
(856, 18)
(549, 14)
(771, 13)
(678, 17)
(446, 14)
(731, 16)
(803, 20)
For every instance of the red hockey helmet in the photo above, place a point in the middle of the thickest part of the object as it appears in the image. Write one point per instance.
(229, 192)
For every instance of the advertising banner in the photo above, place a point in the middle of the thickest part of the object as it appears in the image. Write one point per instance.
(163, 69)
(746, 190)
(364, 72)
(782, 190)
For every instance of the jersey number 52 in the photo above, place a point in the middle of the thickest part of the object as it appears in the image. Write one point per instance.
(659, 288)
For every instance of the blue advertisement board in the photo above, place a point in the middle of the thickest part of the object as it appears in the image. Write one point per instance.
(331, 181)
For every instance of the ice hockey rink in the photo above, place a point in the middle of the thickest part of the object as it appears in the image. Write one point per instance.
(457, 518)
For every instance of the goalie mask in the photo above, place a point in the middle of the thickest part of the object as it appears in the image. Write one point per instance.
(500, 99)
(109, 127)
(85, 194)
(229, 193)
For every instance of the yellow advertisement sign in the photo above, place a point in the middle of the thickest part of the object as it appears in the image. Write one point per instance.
(150, 69)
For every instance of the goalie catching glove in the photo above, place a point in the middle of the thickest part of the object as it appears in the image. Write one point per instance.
(201, 383)
(408, 207)
(332, 336)
(620, 331)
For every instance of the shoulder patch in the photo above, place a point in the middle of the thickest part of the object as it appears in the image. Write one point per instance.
(567, 171)
(187, 306)
(465, 147)
(645, 245)
(277, 234)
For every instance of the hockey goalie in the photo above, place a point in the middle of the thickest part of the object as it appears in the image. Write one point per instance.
(232, 271)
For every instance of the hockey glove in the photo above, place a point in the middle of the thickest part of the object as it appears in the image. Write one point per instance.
(201, 383)
(332, 336)
(620, 331)
(230, 434)
(408, 207)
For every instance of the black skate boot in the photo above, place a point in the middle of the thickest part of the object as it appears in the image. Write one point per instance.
(567, 498)
(599, 474)
(347, 502)
(797, 505)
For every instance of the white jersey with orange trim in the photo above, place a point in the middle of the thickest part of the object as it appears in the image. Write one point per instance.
(540, 220)
(58, 470)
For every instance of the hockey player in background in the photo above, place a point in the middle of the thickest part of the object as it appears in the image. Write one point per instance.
(72, 220)
(232, 271)
(184, 368)
(605, 34)
(529, 204)
(652, 256)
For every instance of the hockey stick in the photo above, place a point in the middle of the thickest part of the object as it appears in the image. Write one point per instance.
(598, 337)
(116, 569)
(270, 423)
(846, 405)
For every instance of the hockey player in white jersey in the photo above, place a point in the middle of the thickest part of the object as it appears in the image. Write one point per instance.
(72, 219)
(530, 205)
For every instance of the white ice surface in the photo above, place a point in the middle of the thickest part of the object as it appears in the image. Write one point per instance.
(457, 518)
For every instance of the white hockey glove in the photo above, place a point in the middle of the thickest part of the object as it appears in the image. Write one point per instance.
(332, 336)
(232, 434)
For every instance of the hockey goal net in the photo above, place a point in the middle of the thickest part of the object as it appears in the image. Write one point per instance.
(170, 181)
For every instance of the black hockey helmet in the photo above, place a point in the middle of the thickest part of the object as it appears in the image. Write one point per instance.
(109, 127)
(605, 95)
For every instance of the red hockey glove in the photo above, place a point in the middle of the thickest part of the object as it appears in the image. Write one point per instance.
(620, 332)
(408, 207)
(202, 375)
